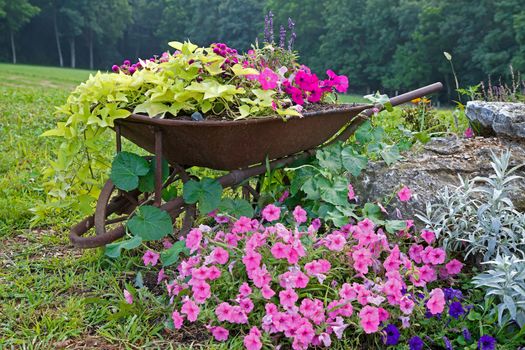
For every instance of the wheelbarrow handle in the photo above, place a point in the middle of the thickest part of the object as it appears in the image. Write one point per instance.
(409, 96)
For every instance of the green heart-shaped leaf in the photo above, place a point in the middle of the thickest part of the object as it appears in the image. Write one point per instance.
(206, 192)
(126, 169)
(171, 256)
(150, 223)
(113, 250)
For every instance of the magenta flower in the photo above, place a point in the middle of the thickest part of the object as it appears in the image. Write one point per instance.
(220, 255)
(191, 310)
(436, 303)
(454, 267)
(220, 333)
(404, 194)
(271, 213)
(161, 276)
(351, 193)
(193, 240)
(115, 68)
(150, 257)
(299, 214)
(428, 236)
(253, 340)
(469, 133)
(177, 319)
(128, 297)
(268, 79)
(369, 319)
(288, 298)
(297, 95)
(340, 82)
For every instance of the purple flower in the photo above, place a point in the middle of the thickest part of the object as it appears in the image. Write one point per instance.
(392, 335)
(451, 293)
(466, 334)
(448, 345)
(282, 37)
(415, 343)
(486, 342)
(291, 26)
(456, 309)
(115, 68)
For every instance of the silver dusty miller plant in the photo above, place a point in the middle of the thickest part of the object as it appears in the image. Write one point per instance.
(478, 218)
(505, 281)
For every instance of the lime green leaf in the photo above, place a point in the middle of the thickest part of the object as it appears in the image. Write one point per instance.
(126, 169)
(176, 45)
(236, 207)
(171, 255)
(150, 223)
(206, 192)
(240, 70)
(113, 250)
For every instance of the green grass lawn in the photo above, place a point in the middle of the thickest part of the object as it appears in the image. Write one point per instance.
(51, 294)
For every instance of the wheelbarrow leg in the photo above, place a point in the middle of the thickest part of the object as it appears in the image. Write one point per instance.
(158, 167)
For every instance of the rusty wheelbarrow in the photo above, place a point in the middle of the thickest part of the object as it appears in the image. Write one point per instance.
(240, 147)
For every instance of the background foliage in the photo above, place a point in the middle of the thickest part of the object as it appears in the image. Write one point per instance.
(389, 44)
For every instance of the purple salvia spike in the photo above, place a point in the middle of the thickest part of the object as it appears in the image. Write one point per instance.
(282, 37)
(270, 30)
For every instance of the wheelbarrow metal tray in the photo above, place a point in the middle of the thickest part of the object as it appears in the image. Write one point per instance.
(229, 145)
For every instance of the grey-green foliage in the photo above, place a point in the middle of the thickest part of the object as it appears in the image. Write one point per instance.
(478, 217)
(505, 281)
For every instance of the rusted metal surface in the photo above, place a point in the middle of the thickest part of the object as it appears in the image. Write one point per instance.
(205, 143)
(229, 145)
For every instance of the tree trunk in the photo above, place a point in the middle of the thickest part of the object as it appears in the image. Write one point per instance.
(72, 51)
(57, 38)
(13, 48)
(91, 65)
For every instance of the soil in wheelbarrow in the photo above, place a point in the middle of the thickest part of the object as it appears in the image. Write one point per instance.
(310, 108)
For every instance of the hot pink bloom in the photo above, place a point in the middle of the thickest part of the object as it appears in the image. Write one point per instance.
(220, 255)
(193, 239)
(305, 333)
(369, 319)
(404, 194)
(220, 333)
(245, 290)
(283, 197)
(454, 267)
(351, 193)
(128, 297)
(177, 319)
(297, 96)
(267, 292)
(361, 266)
(271, 213)
(315, 95)
(251, 260)
(469, 133)
(253, 340)
(268, 79)
(347, 292)
(191, 310)
(213, 273)
(414, 252)
(150, 257)
(436, 303)
(335, 241)
(427, 273)
(288, 298)
(299, 214)
(340, 82)
(428, 236)
(246, 304)
(201, 291)
(406, 305)
(437, 256)
(161, 276)
(223, 312)
(280, 250)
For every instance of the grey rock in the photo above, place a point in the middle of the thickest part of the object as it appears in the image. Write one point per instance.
(501, 118)
(434, 166)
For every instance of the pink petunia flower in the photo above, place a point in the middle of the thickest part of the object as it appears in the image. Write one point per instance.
(193, 240)
(288, 298)
(161, 276)
(404, 194)
(369, 319)
(253, 340)
(150, 257)
(351, 193)
(191, 310)
(299, 214)
(454, 267)
(469, 133)
(219, 333)
(268, 79)
(128, 297)
(220, 255)
(335, 242)
(280, 250)
(436, 303)
(271, 213)
(177, 319)
(428, 236)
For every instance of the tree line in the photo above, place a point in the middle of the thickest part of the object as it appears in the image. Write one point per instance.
(388, 44)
